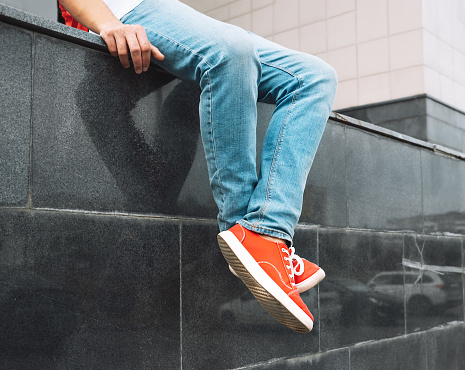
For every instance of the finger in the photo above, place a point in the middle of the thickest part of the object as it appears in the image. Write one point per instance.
(135, 51)
(110, 41)
(122, 48)
(156, 54)
(145, 47)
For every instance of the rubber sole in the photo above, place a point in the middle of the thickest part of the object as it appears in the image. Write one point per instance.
(273, 299)
(305, 285)
(311, 281)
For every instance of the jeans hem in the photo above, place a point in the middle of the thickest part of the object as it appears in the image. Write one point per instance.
(265, 231)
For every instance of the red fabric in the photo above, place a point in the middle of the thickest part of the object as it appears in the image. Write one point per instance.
(70, 21)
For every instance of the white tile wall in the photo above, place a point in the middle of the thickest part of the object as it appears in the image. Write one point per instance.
(313, 38)
(257, 4)
(243, 21)
(342, 31)
(432, 82)
(373, 89)
(347, 94)
(311, 11)
(262, 21)
(407, 82)
(344, 61)
(288, 39)
(240, 7)
(381, 49)
(221, 13)
(404, 15)
(286, 15)
(337, 7)
(372, 22)
(406, 49)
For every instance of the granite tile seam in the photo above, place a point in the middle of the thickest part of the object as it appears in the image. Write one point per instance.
(116, 214)
(180, 297)
(31, 123)
(450, 325)
(436, 148)
(402, 100)
(202, 220)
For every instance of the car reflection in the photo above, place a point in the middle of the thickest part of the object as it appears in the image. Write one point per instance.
(342, 302)
(359, 304)
(426, 292)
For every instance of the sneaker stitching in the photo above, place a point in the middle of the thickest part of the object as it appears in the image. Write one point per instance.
(280, 275)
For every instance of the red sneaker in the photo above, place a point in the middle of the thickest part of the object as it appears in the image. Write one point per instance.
(306, 273)
(266, 268)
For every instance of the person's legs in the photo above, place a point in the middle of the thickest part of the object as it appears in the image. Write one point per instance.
(235, 69)
(303, 88)
(222, 59)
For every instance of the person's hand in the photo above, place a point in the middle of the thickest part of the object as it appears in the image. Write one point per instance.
(122, 37)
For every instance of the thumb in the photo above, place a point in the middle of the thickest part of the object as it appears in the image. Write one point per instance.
(156, 54)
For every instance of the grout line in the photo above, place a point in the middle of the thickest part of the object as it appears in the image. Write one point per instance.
(31, 125)
(180, 295)
(405, 293)
(318, 288)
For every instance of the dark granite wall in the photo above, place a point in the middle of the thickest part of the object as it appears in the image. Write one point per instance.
(108, 253)
(422, 117)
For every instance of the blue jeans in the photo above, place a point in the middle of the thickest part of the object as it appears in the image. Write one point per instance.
(236, 69)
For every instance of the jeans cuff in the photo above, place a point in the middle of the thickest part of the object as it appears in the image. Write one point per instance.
(266, 231)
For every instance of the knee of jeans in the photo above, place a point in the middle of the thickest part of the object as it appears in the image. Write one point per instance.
(238, 52)
(320, 73)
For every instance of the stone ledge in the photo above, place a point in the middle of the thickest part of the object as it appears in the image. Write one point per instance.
(379, 354)
(38, 24)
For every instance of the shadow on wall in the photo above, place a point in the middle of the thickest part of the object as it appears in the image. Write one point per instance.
(151, 176)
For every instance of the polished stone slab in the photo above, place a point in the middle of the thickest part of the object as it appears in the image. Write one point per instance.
(433, 281)
(338, 359)
(89, 152)
(325, 198)
(98, 291)
(223, 325)
(15, 114)
(352, 307)
(444, 348)
(408, 352)
(443, 194)
(383, 183)
(422, 117)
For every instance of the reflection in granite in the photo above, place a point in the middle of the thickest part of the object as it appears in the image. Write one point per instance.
(89, 153)
(433, 281)
(90, 290)
(443, 195)
(15, 114)
(351, 309)
(220, 318)
(383, 183)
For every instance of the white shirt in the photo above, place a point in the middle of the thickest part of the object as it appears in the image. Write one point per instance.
(121, 7)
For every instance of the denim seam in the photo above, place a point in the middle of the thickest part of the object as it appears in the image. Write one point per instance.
(278, 145)
(212, 139)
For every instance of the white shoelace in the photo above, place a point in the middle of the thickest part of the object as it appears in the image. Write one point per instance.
(299, 269)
